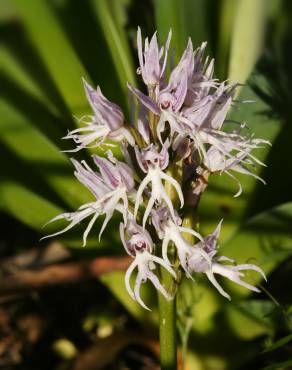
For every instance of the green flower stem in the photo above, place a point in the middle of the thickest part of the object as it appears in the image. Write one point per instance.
(167, 309)
(167, 325)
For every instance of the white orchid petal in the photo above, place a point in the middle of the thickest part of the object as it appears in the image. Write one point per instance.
(238, 183)
(139, 197)
(230, 273)
(175, 184)
(211, 277)
(248, 266)
(148, 209)
(77, 217)
(89, 227)
(191, 231)
(154, 279)
(164, 264)
(165, 243)
(128, 277)
(137, 287)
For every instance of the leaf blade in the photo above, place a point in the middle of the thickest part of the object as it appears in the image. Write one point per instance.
(247, 38)
(55, 50)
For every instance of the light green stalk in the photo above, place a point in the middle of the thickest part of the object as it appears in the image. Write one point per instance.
(167, 326)
(167, 309)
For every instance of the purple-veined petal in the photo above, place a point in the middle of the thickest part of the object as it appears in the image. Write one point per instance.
(144, 99)
(110, 112)
(107, 170)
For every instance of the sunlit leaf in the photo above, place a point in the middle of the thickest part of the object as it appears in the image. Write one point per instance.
(252, 316)
(56, 51)
(226, 21)
(26, 206)
(247, 38)
(38, 151)
(115, 282)
(117, 42)
(198, 21)
(259, 239)
(169, 15)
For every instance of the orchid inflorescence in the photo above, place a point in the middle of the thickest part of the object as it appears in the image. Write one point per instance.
(180, 124)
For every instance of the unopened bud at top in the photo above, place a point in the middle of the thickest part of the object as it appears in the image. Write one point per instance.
(149, 59)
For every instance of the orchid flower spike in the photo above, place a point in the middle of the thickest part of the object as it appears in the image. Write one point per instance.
(179, 122)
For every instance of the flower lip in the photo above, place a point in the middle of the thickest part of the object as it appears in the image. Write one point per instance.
(151, 158)
(166, 100)
(197, 263)
(138, 240)
(137, 244)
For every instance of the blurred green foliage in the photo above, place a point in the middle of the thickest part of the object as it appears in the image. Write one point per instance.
(48, 45)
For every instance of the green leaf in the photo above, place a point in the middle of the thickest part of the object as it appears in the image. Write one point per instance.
(179, 16)
(55, 50)
(259, 239)
(26, 206)
(279, 365)
(13, 69)
(196, 21)
(279, 343)
(7, 11)
(117, 42)
(169, 15)
(252, 316)
(20, 91)
(115, 283)
(226, 20)
(38, 151)
(247, 38)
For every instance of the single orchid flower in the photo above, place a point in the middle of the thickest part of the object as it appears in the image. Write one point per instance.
(171, 231)
(153, 163)
(197, 263)
(110, 187)
(216, 162)
(138, 245)
(106, 123)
